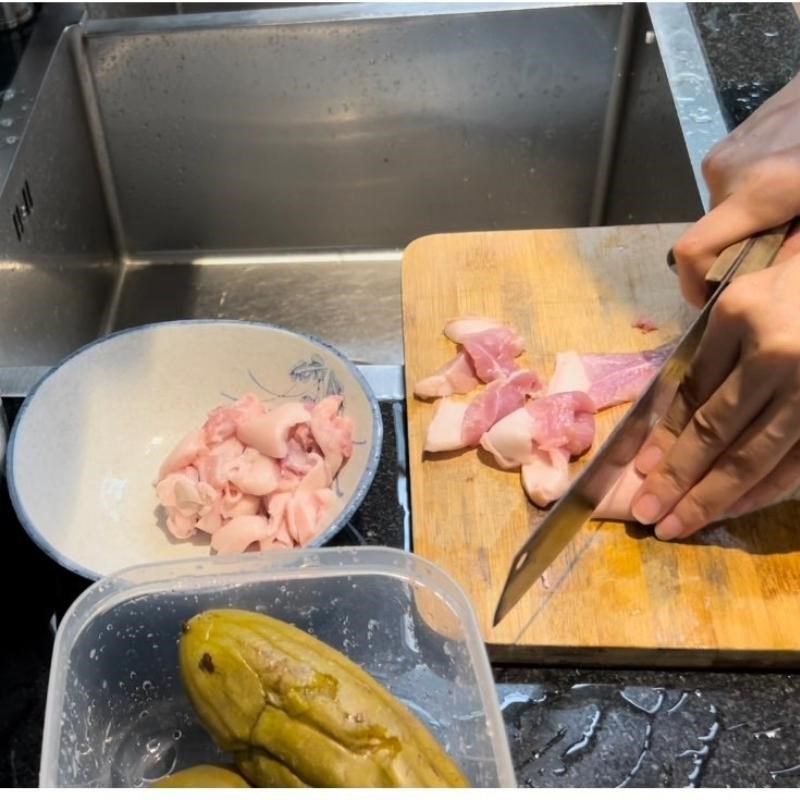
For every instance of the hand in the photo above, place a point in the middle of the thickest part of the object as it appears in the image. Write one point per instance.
(754, 180)
(730, 443)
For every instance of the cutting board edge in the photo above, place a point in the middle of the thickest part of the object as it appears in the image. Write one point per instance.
(641, 658)
(649, 655)
(428, 237)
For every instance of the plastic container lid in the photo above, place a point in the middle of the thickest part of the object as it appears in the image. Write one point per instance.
(117, 714)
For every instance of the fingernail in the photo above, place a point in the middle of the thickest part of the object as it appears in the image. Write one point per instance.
(647, 509)
(669, 528)
(649, 459)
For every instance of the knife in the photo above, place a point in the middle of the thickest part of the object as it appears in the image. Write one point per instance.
(575, 508)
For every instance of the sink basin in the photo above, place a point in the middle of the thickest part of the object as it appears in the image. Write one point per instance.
(272, 164)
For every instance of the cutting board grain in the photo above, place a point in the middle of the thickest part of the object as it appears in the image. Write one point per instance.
(616, 595)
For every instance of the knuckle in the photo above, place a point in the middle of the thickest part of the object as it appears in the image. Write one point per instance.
(715, 164)
(689, 391)
(706, 429)
(669, 428)
(699, 508)
(671, 480)
(689, 249)
(741, 465)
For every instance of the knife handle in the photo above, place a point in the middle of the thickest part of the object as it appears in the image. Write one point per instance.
(751, 255)
(743, 257)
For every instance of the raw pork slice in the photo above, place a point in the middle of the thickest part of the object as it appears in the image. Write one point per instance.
(608, 378)
(564, 420)
(498, 400)
(546, 477)
(492, 346)
(256, 478)
(457, 376)
(456, 330)
(493, 352)
(510, 440)
(446, 431)
(332, 433)
(569, 374)
(269, 433)
(238, 534)
(192, 446)
(555, 422)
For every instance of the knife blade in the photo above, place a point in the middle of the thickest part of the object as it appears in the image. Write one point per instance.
(575, 508)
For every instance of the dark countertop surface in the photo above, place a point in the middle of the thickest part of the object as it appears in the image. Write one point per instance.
(752, 49)
(567, 727)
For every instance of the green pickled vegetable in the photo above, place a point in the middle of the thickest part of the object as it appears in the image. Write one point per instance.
(205, 776)
(295, 712)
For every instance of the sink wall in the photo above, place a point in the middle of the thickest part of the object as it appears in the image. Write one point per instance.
(271, 165)
(372, 132)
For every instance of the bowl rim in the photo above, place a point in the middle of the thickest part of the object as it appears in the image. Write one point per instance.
(336, 525)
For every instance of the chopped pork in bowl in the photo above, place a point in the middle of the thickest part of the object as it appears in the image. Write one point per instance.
(171, 440)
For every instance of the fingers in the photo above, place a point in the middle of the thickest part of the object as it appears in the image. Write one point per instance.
(695, 252)
(744, 465)
(714, 361)
(765, 197)
(782, 483)
(711, 430)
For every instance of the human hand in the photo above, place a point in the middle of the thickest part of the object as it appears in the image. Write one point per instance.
(753, 177)
(731, 441)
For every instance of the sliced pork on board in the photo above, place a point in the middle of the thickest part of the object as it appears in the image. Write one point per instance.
(523, 422)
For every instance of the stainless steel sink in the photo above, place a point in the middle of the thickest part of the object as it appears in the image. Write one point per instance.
(272, 164)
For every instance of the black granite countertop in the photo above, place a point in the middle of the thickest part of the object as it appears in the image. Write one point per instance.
(567, 727)
(752, 49)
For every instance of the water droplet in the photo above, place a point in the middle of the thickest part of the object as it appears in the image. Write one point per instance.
(176, 734)
(83, 749)
(9, 94)
(11, 139)
(6, 122)
(152, 746)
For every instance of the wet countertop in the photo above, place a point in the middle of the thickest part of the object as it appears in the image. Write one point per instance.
(752, 50)
(566, 727)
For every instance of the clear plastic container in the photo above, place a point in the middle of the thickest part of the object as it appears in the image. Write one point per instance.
(117, 714)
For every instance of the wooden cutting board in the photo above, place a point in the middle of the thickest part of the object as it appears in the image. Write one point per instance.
(616, 595)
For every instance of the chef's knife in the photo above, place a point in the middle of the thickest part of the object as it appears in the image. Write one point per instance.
(575, 508)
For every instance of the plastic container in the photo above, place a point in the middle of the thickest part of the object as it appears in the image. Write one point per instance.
(117, 714)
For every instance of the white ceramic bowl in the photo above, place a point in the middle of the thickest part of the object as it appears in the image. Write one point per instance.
(89, 439)
(3, 435)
